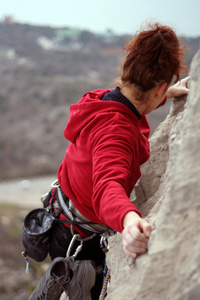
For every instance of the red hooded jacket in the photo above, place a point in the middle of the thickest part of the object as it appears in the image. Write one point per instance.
(102, 162)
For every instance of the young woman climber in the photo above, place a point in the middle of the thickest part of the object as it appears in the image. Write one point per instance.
(108, 133)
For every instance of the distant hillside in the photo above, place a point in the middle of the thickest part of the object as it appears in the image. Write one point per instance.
(73, 53)
(44, 70)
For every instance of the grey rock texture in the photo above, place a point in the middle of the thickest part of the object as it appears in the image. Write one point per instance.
(168, 195)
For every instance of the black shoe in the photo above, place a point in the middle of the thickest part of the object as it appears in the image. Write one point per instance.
(54, 281)
(82, 280)
(74, 277)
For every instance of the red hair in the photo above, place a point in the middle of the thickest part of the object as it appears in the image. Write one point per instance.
(154, 56)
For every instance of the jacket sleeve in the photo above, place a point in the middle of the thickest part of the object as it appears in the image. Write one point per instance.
(115, 171)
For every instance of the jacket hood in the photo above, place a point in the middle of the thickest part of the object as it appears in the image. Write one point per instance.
(87, 108)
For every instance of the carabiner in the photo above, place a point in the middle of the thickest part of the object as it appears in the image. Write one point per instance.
(78, 249)
(55, 184)
(104, 243)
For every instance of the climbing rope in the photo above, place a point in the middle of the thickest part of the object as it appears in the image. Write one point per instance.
(105, 285)
(105, 247)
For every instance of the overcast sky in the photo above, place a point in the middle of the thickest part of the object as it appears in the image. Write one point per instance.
(122, 16)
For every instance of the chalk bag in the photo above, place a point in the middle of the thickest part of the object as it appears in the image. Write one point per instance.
(35, 234)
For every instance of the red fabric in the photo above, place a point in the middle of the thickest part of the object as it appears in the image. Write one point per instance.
(102, 162)
(62, 217)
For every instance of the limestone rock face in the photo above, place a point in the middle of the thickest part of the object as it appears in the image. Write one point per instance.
(168, 195)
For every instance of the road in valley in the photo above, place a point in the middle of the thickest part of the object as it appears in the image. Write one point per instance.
(25, 192)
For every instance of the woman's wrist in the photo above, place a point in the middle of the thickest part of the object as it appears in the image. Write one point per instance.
(169, 93)
(129, 218)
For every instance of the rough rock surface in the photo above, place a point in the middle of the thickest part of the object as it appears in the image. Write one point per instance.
(168, 194)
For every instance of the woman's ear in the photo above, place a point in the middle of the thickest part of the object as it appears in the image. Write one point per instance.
(161, 89)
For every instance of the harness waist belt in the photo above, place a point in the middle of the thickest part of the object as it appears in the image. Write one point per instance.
(70, 210)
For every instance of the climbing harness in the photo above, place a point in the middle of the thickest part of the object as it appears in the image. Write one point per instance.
(56, 202)
(71, 212)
